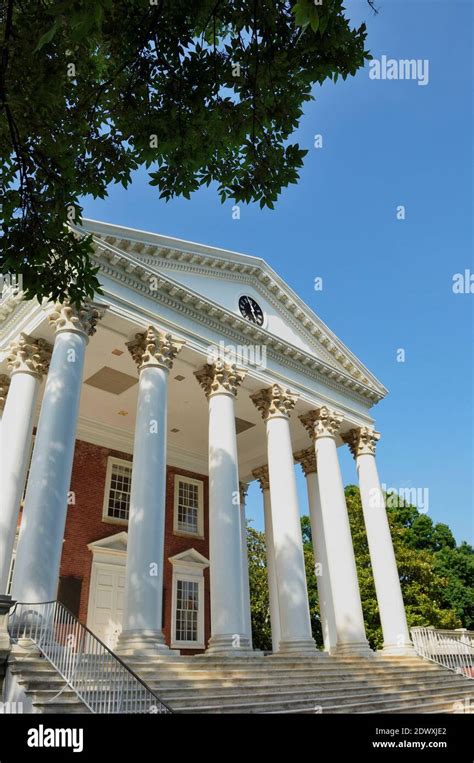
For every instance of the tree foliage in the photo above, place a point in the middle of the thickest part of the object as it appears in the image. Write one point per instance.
(437, 576)
(197, 92)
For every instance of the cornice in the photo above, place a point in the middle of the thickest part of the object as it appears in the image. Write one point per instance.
(182, 300)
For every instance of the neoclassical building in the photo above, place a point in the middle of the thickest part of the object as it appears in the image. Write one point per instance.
(131, 428)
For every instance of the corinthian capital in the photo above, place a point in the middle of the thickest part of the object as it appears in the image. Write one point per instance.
(4, 385)
(322, 422)
(68, 317)
(274, 401)
(29, 355)
(154, 348)
(362, 441)
(307, 459)
(261, 474)
(220, 377)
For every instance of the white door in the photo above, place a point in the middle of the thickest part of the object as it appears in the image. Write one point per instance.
(104, 617)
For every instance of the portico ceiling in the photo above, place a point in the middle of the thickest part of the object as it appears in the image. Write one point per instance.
(109, 419)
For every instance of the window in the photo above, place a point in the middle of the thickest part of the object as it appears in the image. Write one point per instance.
(187, 609)
(117, 491)
(187, 603)
(188, 506)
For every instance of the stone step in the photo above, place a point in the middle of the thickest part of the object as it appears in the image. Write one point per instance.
(342, 704)
(252, 684)
(178, 693)
(318, 672)
(432, 707)
(206, 663)
(59, 708)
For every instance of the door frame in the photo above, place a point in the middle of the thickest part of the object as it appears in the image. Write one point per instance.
(110, 551)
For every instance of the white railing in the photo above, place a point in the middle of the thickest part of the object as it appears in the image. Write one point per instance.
(100, 679)
(451, 649)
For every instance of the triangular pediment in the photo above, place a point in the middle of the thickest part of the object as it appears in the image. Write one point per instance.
(112, 543)
(214, 280)
(190, 556)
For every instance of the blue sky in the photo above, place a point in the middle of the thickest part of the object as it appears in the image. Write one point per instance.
(387, 283)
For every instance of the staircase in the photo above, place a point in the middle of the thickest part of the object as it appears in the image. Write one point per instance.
(58, 666)
(43, 689)
(319, 684)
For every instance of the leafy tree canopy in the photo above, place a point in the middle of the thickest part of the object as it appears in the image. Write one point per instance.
(436, 575)
(197, 92)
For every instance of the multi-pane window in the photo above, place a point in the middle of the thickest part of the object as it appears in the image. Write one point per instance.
(187, 609)
(188, 506)
(119, 481)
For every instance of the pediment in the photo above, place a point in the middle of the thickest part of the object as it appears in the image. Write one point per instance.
(112, 543)
(214, 280)
(190, 556)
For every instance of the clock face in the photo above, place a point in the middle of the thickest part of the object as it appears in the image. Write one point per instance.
(251, 310)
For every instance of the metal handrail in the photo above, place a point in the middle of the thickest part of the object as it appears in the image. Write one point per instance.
(101, 680)
(453, 650)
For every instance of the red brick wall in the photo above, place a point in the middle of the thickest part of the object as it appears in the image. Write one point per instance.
(84, 525)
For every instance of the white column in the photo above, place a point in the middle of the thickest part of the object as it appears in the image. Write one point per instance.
(243, 487)
(262, 475)
(154, 352)
(307, 459)
(276, 404)
(28, 360)
(220, 382)
(396, 637)
(323, 424)
(38, 555)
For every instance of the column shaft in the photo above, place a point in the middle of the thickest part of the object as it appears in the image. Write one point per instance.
(245, 568)
(351, 638)
(142, 619)
(326, 607)
(225, 532)
(271, 572)
(229, 627)
(38, 555)
(142, 633)
(295, 624)
(16, 432)
(382, 558)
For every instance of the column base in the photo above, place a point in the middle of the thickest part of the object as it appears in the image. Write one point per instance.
(296, 648)
(395, 650)
(142, 643)
(227, 645)
(352, 649)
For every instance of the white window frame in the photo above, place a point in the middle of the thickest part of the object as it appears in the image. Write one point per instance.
(111, 462)
(188, 566)
(200, 520)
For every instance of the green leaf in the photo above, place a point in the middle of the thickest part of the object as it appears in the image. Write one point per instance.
(47, 37)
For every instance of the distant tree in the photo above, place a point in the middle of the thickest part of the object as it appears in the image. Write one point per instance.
(194, 91)
(258, 581)
(437, 577)
(422, 586)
